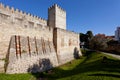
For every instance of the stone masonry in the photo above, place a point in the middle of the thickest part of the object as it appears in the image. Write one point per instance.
(31, 44)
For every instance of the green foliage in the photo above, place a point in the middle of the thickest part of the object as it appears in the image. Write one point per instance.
(113, 47)
(17, 77)
(83, 37)
(89, 34)
(112, 42)
(83, 51)
(86, 38)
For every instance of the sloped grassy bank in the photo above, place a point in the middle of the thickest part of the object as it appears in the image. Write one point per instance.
(91, 66)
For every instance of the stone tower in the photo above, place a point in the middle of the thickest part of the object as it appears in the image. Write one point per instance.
(56, 17)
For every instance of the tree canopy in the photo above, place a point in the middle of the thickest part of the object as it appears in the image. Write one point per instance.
(89, 34)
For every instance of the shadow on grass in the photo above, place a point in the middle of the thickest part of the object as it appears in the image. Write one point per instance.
(107, 75)
(109, 65)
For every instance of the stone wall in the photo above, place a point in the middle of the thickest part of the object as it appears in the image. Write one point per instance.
(32, 44)
(30, 55)
(66, 45)
(8, 30)
(15, 16)
(57, 17)
(60, 18)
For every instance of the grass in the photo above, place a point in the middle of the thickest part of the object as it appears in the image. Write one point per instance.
(16, 77)
(91, 66)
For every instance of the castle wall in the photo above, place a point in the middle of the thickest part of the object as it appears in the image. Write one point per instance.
(37, 56)
(32, 54)
(33, 44)
(15, 16)
(67, 45)
(8, 30)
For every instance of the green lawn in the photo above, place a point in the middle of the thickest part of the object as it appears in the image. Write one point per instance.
(89, 67)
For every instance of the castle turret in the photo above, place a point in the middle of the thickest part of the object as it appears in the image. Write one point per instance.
(56, 17)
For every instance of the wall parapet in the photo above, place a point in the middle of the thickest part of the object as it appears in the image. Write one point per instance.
(66, 31)
(16, 13)
(53, 6)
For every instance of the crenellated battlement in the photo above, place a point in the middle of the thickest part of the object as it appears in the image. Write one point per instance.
(55, 5)
(25, 19)
(19, 14)
(1, 5)
(57, 17)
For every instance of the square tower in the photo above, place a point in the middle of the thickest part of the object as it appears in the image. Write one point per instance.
(56, 17)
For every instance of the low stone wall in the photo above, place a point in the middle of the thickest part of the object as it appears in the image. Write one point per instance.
(30, 55)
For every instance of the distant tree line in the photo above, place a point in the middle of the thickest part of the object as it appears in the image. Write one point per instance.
(99, 42)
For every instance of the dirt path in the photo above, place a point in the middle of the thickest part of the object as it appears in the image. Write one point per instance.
(114, 55)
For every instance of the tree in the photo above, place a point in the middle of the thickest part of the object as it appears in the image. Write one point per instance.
(113, 46)
(83, 37)
(89, 34)
(98, 43)
(89, 37)
(86, 38)
(83, 40)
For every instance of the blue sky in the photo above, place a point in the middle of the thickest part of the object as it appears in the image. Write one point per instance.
(99, 16)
